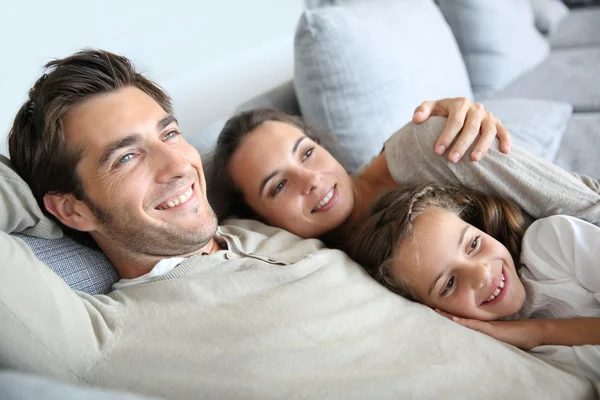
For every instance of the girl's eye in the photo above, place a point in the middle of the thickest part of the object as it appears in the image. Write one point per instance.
(127, 157)
(308, 153)
(277, 188)
(474, 244)
(448, 286)
(172, 134)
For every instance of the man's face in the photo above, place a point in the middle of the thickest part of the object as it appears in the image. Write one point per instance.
(144, 185)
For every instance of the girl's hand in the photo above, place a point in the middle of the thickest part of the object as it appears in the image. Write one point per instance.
(524, 333)
(466, 119)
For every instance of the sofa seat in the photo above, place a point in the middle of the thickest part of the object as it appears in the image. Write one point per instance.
(578, 150)
(580, 28)
(567, 75)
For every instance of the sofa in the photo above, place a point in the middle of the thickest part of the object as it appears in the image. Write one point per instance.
(361, 67)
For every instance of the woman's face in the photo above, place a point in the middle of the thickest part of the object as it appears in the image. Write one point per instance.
(453, 266)
(291, 181)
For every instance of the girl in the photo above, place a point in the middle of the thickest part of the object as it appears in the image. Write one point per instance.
(467, 255)
(267, 166)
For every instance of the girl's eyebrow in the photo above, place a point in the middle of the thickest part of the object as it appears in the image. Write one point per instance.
(461, 239)
(272, 174)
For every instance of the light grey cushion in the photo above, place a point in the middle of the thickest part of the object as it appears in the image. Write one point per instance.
(578, 150)
(282, 97)
(536, 125)
(498, 40)
(82, 268)
(580, 28)
(361, 68)
(568, 75)
(20, 386)
(548, 14)
(19, 211)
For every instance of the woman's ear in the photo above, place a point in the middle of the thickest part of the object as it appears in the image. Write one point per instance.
(69, 211)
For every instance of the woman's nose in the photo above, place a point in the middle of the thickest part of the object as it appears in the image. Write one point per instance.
(310, 180)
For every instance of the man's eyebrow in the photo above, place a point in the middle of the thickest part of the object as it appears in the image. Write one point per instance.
(119, 144)
(460, 240)
(133, 138)
(272, 174)
(166, 121)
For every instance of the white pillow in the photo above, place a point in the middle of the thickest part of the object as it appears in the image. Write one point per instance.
(361, 68)
(498, 40)
(548, 14)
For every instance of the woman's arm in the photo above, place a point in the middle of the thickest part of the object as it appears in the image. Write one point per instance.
(538, 186)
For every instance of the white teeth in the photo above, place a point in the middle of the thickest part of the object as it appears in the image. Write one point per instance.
(179, 200)
(497, 291)
(325, 200)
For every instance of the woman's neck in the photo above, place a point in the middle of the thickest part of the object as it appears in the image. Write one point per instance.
(365, 193)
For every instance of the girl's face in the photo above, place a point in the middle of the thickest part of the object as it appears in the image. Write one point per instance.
(291, 181)
(453, 266)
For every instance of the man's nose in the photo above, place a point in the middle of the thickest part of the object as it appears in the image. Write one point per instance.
(170, 163)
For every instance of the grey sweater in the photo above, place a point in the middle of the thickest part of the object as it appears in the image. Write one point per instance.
(538, 186)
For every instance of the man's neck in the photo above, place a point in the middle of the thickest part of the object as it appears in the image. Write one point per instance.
(131, 266)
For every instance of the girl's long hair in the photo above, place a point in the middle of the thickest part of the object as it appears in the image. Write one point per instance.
(392, 218)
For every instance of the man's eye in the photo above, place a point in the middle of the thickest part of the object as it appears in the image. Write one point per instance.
(127, 157)
(474, 244)
(448, 286)
(277, 188)
(172, 134)
(308, 153)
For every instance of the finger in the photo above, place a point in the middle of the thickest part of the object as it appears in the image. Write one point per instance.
(444, 313)
(456, 118)
(504, 137)
(468, 134)
(423, 111)
(488, 134)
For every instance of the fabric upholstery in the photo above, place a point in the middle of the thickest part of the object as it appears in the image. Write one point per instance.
(578, 151)
(79, 266)
(535, 125)
(568, 75)
(362, 67)
(548, 14)
(498, 40)
(580, 28)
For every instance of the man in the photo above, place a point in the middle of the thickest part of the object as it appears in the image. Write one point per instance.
(241, 310)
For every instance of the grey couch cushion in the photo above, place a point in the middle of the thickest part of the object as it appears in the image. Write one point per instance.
(548, 14)
(362, 67)
(498, 40)
(79, 266)
(568, 75)
(578, 150)
(536, 125)
(580, 28)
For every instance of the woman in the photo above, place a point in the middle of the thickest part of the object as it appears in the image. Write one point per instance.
(468, 255)
(266, 166)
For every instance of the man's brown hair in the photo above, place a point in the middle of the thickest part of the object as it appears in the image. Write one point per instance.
(37, 146)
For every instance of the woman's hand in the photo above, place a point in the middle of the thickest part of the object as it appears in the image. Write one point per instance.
(523, 333)
(466, 119)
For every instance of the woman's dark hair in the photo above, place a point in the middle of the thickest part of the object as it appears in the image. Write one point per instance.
(226, 198)
(392, 218)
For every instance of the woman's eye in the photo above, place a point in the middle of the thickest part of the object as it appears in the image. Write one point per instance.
(277, 188)
(127, 157)
(474, 244)
(448, 286)
(308, 153)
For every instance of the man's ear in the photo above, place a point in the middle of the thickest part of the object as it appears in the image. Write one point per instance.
(70, 211)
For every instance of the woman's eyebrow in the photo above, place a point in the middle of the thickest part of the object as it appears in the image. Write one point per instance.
(272, 174)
